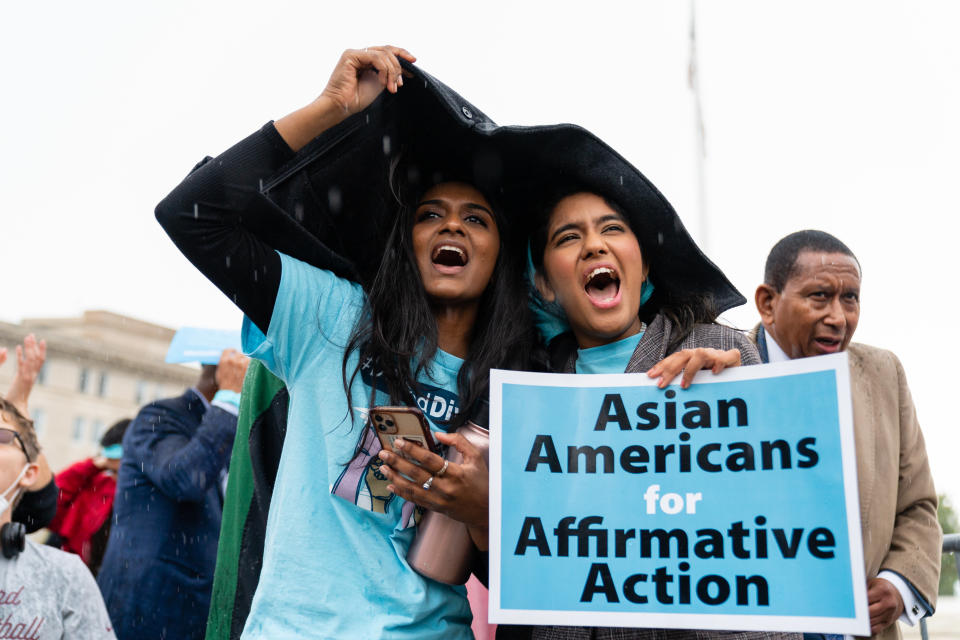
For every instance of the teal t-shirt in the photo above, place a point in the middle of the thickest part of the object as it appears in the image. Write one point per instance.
(334, 560)
(608, 358)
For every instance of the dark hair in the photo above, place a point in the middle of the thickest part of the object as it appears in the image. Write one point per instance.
(684, 308)
(24, 425)
(114, 435)
(782, 261)
(397, 332)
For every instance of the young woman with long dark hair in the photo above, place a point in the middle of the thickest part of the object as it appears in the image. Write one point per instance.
(440, 312)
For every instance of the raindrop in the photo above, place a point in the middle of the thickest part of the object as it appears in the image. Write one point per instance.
(335, 197)
(386, 145)
(298, 211)
(621, 181)
(261, 184)
(368, 118)
(228, 262)
(413, 174)
(196, 211)
(660, 237)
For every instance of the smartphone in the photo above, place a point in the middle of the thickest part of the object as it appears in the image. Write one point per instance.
(408, 423)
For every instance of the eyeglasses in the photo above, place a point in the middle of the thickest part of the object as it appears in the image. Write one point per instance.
(7, 436)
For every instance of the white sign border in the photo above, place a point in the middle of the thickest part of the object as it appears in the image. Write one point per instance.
(859, 625)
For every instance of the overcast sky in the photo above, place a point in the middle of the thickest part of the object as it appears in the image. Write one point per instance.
(839, 116)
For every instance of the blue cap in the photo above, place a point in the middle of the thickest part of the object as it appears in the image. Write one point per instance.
(113, 452)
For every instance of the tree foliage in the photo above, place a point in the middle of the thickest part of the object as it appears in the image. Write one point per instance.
(947, 516)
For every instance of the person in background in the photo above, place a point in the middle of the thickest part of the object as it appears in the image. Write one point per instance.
(809, 305)
(48, 594)
(158, 568)
(82, 523)
(38, 505)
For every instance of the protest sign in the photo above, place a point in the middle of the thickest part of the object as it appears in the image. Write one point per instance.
(195, 344)
(729, 505)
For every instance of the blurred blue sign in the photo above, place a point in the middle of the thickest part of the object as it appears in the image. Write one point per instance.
(194, 344)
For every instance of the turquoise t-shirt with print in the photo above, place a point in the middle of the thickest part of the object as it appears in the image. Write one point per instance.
(334, 560)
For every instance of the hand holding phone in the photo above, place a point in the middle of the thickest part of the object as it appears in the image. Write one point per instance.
(408, 423)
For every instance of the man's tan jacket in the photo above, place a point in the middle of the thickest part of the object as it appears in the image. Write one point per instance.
(898, 502)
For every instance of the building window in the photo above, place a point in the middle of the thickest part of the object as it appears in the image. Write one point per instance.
(84, 383)
(104, 383)
(141, 392)
(78, 429)
(39, 420)
(96, 431)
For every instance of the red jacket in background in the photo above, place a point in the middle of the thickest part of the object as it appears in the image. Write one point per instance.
(85, 503)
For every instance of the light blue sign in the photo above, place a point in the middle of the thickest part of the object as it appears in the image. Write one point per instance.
(729, 505)
(194, 344)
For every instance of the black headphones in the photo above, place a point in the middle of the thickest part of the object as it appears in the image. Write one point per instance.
(13, 538)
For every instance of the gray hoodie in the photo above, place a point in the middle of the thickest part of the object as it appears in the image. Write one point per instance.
(48, 594)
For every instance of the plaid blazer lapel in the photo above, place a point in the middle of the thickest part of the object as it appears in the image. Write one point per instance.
(652, 347)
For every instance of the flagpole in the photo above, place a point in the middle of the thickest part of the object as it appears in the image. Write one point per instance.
(693, 81)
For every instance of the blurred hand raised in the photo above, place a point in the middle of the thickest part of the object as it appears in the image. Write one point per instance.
(231, 369)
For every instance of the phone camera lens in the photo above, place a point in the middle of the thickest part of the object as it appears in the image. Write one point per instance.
(389, 423)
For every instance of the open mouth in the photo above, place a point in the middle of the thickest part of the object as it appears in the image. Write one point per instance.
(449, 257)
(828, 345)
(603, 287)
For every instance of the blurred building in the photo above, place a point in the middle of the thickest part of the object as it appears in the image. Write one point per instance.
(100, 367)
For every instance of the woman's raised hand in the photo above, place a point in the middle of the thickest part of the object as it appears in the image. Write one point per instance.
(361, 74)
(461, 491)
(30, 358)
(690, 361)
(359, 77)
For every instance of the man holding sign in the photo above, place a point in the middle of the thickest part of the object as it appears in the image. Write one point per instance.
(157, 572)
(809, 305)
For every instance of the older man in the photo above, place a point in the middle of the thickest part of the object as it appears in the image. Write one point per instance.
(809, 305)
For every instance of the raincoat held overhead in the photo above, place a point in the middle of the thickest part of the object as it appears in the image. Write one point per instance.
(333, 201)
